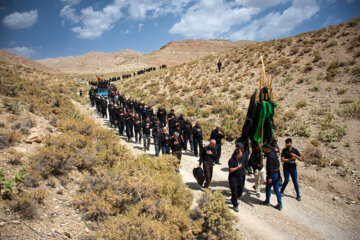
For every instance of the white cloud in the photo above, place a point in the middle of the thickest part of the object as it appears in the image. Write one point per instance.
(12, 42)
(71, 2)
(18, 20)
(260, 3)
(140, 26)
(276, 24)
(91, 23)
(22, 51)
(331, 21)
(68, 13)
(212, 18)
(350, 1)
(156, 24)
(94, 23)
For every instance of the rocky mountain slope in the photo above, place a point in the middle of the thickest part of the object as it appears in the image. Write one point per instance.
(127, 60)
(14, 59)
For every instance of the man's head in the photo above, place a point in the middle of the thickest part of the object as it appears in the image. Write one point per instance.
(164, 130)
(212, 143)
(147, 119)
(177, 126)
(218, 127)
(274, 140)
(237, 153)
(137, 116)
(176, 134)
(172, 110)
(197, 123)
(239, 145)
(288, 142)
(187, 120)
(181, 115)
(267, 148)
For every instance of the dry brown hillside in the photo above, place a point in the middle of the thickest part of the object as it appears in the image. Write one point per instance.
(127, 60)
(14, 59)
(175, 53)
(91, 62)
(316, 77)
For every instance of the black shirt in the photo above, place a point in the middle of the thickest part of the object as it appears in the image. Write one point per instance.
(238, 174)
(197, 132)
(165, 140)
(206, 157)
(286, 153)
(217, 136)
(272, 164)
(255, 159)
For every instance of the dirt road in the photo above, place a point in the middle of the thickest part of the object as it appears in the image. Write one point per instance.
(309, 219)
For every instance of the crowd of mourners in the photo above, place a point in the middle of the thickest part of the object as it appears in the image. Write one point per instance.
(175, 134)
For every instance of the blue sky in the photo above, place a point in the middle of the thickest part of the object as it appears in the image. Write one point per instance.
(40, 29)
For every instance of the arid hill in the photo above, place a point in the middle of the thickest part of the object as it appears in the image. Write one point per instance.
(92, 62)
(12, 58)
(127, 60)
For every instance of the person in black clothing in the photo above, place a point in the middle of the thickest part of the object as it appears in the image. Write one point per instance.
(181, 121)
(137, 128)
(165, 141)
(257, 164)
(111, 113)
(218, 135)
(104, 108)
(146, 133)
(171, 121)
(197, 137)
(129, 124)
(120, 119)
(219, 65)
(207, 158)
(80, 93)
(237, 173)
(157, 136)
(288, 157)
(177, 144)
(161, 114)
(188, 136)
(272, 176)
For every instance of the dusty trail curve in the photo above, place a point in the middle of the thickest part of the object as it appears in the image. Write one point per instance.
(308, 219)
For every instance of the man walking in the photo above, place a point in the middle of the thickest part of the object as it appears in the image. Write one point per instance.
(272, 176)
(288, 157)
(237, 173)
(207, 158)
(165, 142)
(256, 162)
(219, 65)
(146, 133)
(218, 135)
(198, 138)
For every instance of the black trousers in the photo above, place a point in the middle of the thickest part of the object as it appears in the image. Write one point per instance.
(198, 142)
(208, 169)
(121, 127)
(129, 130)
(237, 188)
(138, 135)
(218, 152)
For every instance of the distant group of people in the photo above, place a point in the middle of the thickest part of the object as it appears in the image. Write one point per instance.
(172, 133)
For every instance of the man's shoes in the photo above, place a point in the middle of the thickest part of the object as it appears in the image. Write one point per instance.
(279, 207)
(254, 187)
(196, 155)
(236, 209)
(265, 203)
(218, 163)
(298, 198)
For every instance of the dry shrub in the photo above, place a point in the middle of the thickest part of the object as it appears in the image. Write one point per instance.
(14, 157)
(25, 205)
(40, 195)
(216, 220)
(312, 154)
(150, 219)
(130, 182)
(300, 104)
(14, 137)
(289, 115)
